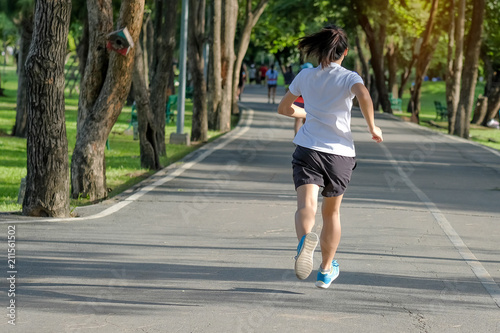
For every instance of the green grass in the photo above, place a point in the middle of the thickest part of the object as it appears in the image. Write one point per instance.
(122, 160)
(436, 91)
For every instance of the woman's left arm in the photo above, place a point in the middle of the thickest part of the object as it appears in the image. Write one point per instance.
(287, 108)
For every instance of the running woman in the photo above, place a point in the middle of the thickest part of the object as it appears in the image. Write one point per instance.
(325, 155)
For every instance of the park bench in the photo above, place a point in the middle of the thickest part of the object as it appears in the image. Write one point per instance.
(441, 111)
(396, 103)
(170, 108)
(169, 112)
(189, 92)
(133, 122)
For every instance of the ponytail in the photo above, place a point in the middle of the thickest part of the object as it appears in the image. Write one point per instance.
(327, 45)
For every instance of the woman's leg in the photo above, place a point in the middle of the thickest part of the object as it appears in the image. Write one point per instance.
(307, 203)
(330, 235)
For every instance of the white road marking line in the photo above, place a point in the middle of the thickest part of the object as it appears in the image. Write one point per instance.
(209, 149)
(477, 268)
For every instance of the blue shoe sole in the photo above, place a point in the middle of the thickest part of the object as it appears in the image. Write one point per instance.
(304, 261)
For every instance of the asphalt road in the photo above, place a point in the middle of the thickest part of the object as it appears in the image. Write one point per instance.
(207, 245)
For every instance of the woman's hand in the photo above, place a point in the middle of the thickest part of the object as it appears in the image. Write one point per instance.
(376, 134)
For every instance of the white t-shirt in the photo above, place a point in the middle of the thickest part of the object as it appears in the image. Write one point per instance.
(327, 102)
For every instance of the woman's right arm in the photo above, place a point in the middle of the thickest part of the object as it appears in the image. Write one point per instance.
(287, 108)
(366, 105)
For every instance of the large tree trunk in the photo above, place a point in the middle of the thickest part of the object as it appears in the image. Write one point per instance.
(26, 32)
(161, 68)
(230, 16)
(47, 181)
(376, 41)
(251, 18)
(199, 128)
(150, 156)
(105, 87)
(470, 72)
(455, 61)
(427, 49)
(214, 70)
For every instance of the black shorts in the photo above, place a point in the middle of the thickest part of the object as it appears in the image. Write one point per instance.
(330, 171)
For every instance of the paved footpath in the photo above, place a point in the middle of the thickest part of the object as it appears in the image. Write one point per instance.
(207, 245)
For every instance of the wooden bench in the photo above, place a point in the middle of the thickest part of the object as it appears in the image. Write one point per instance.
(396, 103)
(441, 111)
(170, 109)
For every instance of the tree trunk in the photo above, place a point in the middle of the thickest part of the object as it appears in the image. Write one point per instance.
(405, 75)
(82, 50)
(424, 59)
(47, 181)
(162, 71)
(144, 38)
(493, 103)
(470, 72)
(376, 41)
(392, 61)
(26, 32)
(230, 16)
(150, 157)
(199, 128)
(364, 63)
(455, 61)
(150, 45)
(105, 86)
(251, 18)
(214, 70)
(480, 110)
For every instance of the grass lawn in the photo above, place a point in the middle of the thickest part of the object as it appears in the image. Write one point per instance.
(436, 91)
(122, 159)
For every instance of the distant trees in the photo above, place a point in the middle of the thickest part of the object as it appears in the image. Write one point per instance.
(376, 34)
(423, 59)
(470, 72)
(251, 17)
(397, 41)
(196, 42)
(22, 14)
(161, 71)
(455, 59)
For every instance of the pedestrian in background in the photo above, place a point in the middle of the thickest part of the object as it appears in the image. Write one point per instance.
(272, 83)
(252, 73)
(242, 80)
(262, 73)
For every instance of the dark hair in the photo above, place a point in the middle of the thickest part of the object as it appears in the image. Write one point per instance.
(327, 45)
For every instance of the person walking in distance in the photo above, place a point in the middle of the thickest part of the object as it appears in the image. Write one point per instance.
(272, 82)
(262, 74)
(325, 154)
